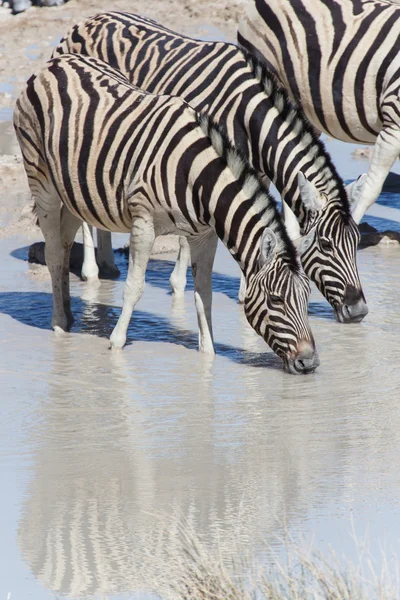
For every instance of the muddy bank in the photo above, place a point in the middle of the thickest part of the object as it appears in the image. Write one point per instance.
(27, 39)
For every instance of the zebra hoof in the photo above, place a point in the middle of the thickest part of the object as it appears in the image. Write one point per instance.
(117, 341)
(90, 277)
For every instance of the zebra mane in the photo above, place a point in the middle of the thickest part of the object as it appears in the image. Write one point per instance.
(301, 126)
(252, 185)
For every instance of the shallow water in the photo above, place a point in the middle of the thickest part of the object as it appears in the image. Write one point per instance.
(96, 447)
(95, 444)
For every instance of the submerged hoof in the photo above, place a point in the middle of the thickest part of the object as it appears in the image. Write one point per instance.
(109, 271)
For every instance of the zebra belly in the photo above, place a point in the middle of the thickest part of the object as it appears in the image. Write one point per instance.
(174, 222)
(359, 135)
(101, 214)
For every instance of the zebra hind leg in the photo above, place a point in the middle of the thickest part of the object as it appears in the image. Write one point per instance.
(202, 254)
(105, 255)
(140, 246)
(48, 211)
(386, 151)
(69, 226)
(178, 275)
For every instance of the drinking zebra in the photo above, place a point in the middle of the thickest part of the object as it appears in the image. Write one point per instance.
(340, 60)
(239, 93)
(127, 161)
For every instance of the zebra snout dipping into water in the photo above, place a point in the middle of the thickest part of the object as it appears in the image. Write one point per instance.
(123, 160)
(275, 137)
(328, 250)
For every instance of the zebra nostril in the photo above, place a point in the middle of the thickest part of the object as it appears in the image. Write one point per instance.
(307, 359)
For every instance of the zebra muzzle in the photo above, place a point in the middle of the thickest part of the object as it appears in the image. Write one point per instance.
(305, 361)
(354, 307)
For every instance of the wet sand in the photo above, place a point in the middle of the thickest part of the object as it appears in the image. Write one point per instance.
(96, 447)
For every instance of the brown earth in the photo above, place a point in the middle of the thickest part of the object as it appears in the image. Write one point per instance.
(27, 39)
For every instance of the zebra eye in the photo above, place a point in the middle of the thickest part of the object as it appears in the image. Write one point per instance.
(276, 299)
(326, 244)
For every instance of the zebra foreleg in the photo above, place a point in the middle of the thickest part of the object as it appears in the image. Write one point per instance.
(49, 215)
(178, 275)
(202, 252)
(69, 226)
(105, 254)
(90, 270)
(386, 151)
(140, 246)
(242, 289)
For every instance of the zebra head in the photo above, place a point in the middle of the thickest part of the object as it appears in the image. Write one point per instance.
(276, 306)
(328, 249)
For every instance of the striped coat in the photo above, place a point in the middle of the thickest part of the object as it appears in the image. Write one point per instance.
(340, 60)
(274, 136)
(127, 161)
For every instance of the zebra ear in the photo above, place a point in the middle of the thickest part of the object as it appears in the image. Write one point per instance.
(267, 247)
(309, 194)
(354, 189)
(291, 223)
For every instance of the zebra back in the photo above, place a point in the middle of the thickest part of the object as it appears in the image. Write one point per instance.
(233, 87)
(339, 59)
(238, 92)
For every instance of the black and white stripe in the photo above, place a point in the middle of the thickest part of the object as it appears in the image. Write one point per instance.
(340, 60)
(238, 92)
(127, 161)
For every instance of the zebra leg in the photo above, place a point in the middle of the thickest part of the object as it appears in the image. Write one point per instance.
(203, 252)
(178, 275)
(386, 151)
(140, 246)
(48, 211)
(90, 270)
(69, 226)
(242, 289)
(105, 254)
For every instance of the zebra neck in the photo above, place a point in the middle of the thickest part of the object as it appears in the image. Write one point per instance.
(239, 219)
(280, 142)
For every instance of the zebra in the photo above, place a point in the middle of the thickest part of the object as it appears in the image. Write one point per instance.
(123, 160)
(239, 93)
(340, 60)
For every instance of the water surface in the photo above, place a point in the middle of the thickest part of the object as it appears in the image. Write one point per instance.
(97, 447)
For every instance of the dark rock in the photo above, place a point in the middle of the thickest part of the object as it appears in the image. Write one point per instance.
(36, 255)
(369, 239)
(366, 228)
(375, 237)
